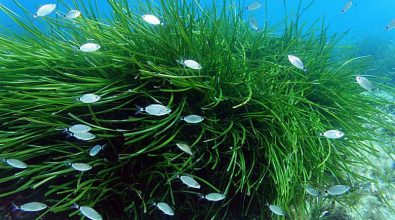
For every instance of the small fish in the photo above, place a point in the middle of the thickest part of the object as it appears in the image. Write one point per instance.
(276, 210)
(165, 208)
(391, 25)
(184, 147)
(254, 6)
(89, 212)
(89, 98)
(96, 149)
(89, 47)
(324, 214)
(45, 10)
(214, 197)
(338, 190)
(254, 24)
(32, 206)
(333, 134)
(151, 19)
(296, 62)
(192, 119)
(154, 109)
(190, 64)
(72, 14)
(189, 181)
(312, 191)
(81, 166)
(79, 128)
(364, 83)
(347, 6)
(86, 136)
(15, 163)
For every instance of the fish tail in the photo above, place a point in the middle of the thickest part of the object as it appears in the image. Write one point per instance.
(68, 134)
(201, 196)
(14, 207)
(139, 109)
(75, 206)
(180, 61)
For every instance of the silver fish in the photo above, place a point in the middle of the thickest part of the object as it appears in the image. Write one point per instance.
(346, 7)
(324, 213)
(89, 47)
(154, 109)
(254, 6)
(86, 136)
(96, 149)
(276, 210)
(90, 213)
(190, 64)
(16, 163)
(72, 14)
(214, 197)
(192, 119)
(338, 190)
(364, 83)
(151, 19)
(312, 191)
(45, 10)
(184, 147)
(32, 206)
(189, 181)
(165, 208)
(254, 24)
(391, 25)
(79, 128)
(81, 166)
(333, 134)
(89, 98)
(296, 62)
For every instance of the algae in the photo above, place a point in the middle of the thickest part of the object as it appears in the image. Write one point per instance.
(259, 142)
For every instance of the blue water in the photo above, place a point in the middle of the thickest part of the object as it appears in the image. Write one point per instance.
(365, 19)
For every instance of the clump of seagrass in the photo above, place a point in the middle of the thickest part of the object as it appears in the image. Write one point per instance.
(259, 142)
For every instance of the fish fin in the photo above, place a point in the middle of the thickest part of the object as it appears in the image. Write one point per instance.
(139, 109)
(75, 206)
(180, 61)
(15, 207)
(69, 134)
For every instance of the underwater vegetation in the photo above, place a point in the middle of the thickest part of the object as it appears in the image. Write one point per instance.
(171, 109)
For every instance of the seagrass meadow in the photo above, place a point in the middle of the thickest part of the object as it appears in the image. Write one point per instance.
(259, 142)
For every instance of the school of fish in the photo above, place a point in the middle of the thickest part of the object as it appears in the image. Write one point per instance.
(83, 131)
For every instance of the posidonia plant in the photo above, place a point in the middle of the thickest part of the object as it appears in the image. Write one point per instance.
(259, 142)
